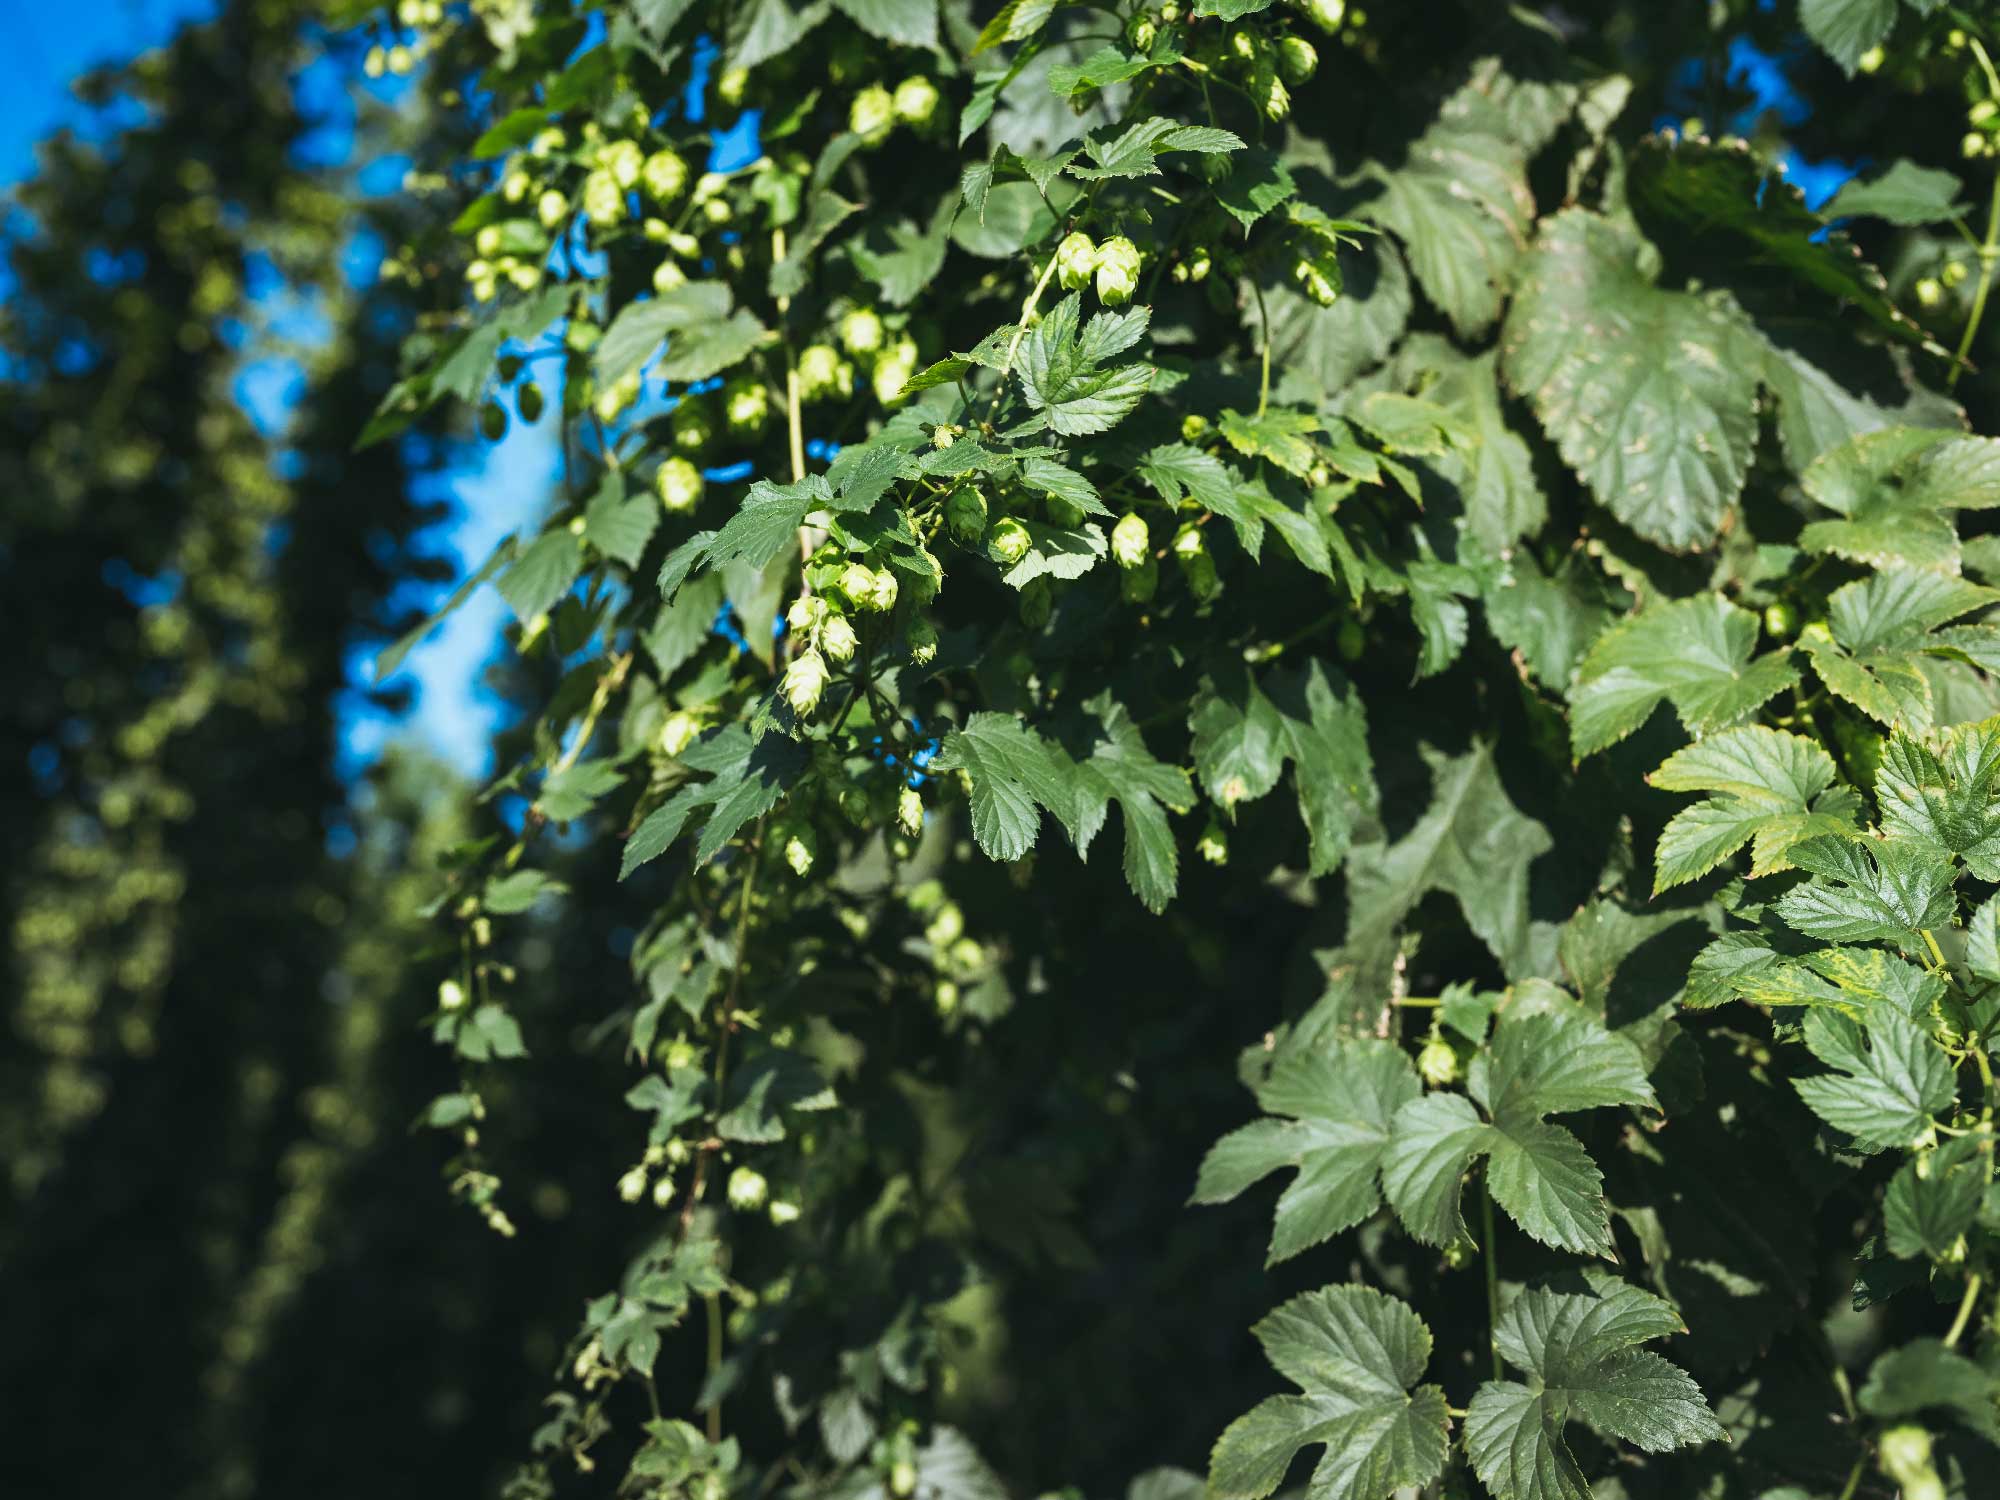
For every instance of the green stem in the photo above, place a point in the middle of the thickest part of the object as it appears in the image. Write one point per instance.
(1854, 1475)
(1989, 252)
(1965, 1306)
(1264, 321)
(1490, 1254)
(714, 1302)
(1937, 954)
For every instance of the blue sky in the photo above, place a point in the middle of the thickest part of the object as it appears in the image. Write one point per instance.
(41, 49)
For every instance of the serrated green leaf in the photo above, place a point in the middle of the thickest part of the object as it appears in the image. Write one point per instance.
(1941, 793)
(1461, 206)
(1869, 890)
(902, 259)
(1893, 1078)
(1924, 1375)
(1845, 29)
(1902, 193)
(618, 527)
(1062, 374)
(1280, 435)
(1650, 395)
(907, 23)
(1130, 153)
(1471, 842)
(1765, 787)
(1337, 1102)
(1258, 182)
(1696, 654)
(1581, 1358)
(1894, 491)
(640, 328)
(1015, 773)
(1933, 1199)
(1355, 1354)
(543, 572)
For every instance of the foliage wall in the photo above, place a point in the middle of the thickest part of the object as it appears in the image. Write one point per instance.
(1284, 724)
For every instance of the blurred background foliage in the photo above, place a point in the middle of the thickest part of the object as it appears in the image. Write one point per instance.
(226, 1267)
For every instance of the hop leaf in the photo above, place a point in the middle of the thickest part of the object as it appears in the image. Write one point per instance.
(1581, 1355)
(1338, 1102)
(1545, 1064)
(1770, 790)
(1355, 1355)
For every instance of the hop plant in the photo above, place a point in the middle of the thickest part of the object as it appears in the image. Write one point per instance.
(1117, 271)
(1325, 14)
(1130, 541)
(603, 202)
(624, 161)
(893, 368)
(823, 374)
(679, 483)
(747, 1188)
(872, 114)
(910, 811)
(746, 405)
(838, 640)
(923, 641)
(805, 679)
(916, 101)
(1298, 59)
(860, 330)
(1009, 541)
(965, 515)
(1076, 261)
(451, 995)
(664, 175)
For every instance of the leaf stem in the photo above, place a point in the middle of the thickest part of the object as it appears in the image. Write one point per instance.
(1027, 312)
(1937, 953)
(1989, 253)
(1489, 1253)
(1965, 1306)
(1264, 324)
(1854, 1475)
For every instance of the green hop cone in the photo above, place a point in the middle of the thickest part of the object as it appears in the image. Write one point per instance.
(916, 101)
(805, 679)
(1269, 90)
(732, 86)
(1076, 261)
(861, 331)
(1904, 1454)
(451, 995)
(1138, 585)
(667, 275)
(664, 175)
(823, 374)
(624, 161)
(857, 582)
(910, 811)
(1008, 542)
(677, 732)
(492, 421)
(529, 400)
(679, 483)
(1298, 60)
(893, 368)
(1117, 271)
(1130, 540)
(747, 1188)
(872, 115)
(838, 640)
(603, 203)
(923, 641)
(1213, 845)
(1319, 278)
(1141, 31)
(965, 515)
(801, 849)
(746, 405)
(693, 427)
(1325, 14)
(1437, 1062)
